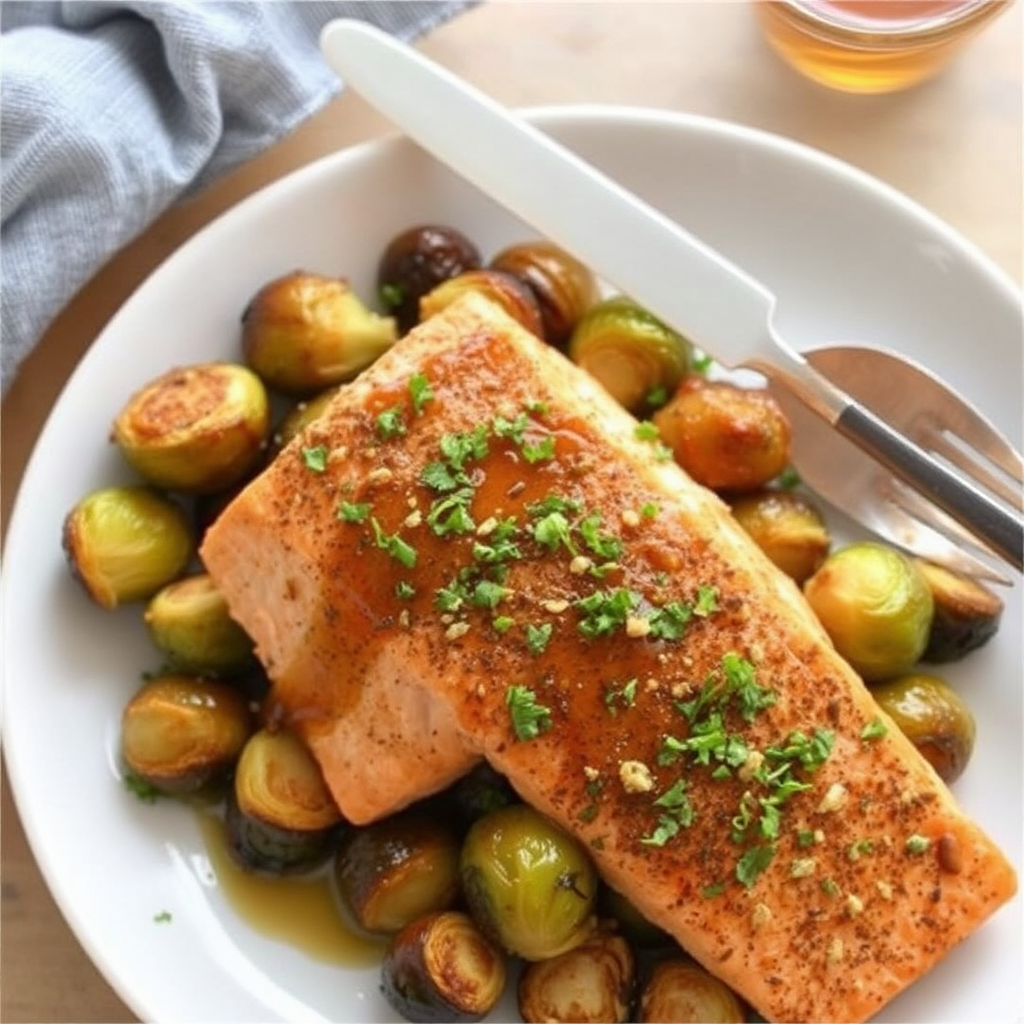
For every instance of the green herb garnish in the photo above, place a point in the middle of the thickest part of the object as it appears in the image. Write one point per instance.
(315, 458)
(529, 719)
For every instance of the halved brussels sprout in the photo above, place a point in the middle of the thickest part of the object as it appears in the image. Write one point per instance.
(180, 734)
(787, 527)
(679, 991)
(280, 815)
(395, 870)
(592, 982)
(629, 351)
(189, 621)
(563, 287)
(530, 885)
(124, 543)
(876, 607)
(303, 333)
(505, 290)
(726, 437)
(967, 614)
(195, 429)
(416, 261)
(934, 717)
(441, 967)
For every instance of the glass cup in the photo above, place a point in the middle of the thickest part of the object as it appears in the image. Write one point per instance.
(872, 46)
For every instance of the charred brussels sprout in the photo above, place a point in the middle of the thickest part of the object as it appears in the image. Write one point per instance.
(788, 528)
(303, 333)
(629, 351)
(934, 717)
(563, 287)
(679, 991)
(189, 621)
(726, 437)
(530, 885)
(967, 614)
(125, 543)
(505, 290)
(180, 734)
(416, 261)
(876, 607)
(592, 982)
(280, 816)
(398, 869)
(196, 429)
(441, 967)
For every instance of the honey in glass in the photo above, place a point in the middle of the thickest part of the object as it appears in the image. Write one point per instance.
(872, 46)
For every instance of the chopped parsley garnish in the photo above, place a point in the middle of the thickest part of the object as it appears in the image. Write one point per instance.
(669, 621)
(646, 431)
(604, 545)
(391, 423)
(553, 503)
(145, 791)
(488, 594)
(397, 548)
(874, 730)
(604, 611)
(529, 719)
(163, 917)
(616, 697)
(538, 637)
(702, 362)
(648, 510)
(315, 458)
(553, 531)
(541, 451)
(459, 448)
(500, 544)
(354, 512)
(391, 295)
(917, 844)
(503, 623)
(707, 601)
(788, 479)
(420, 391)
(439, 477)
(512, 430)
(404, 590)
(450, 514)
(657, 396)
(753, 863)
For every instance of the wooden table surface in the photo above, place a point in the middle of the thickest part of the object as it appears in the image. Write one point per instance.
(953, 144)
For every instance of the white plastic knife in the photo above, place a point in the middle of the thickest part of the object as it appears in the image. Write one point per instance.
(633, 246)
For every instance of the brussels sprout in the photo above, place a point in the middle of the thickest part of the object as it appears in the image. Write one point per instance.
(876, 607)
(592, 982)
(189, 621)
(629, 351)
(631, 923)
(303, 333)
(478, 792)
(563, 287)
(726, 437)
(441, 967)
(679, 991)
(195, 429)
(787, 527)
(967, 614)
(280, 816)
(505, 290)
(298, 418)
(416, 261)
(124, 543)
(180, 734)
(395, 870)
(531, 886)
(933, 717)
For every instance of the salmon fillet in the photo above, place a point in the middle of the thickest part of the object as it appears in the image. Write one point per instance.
(476, 553)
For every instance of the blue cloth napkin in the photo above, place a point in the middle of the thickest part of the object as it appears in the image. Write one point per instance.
(110, 112)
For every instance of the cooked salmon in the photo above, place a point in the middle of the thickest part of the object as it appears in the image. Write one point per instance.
(476, 554)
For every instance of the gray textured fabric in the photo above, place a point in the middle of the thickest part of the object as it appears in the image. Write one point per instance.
(110, 112)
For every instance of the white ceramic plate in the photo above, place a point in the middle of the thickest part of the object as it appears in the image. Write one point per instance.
(849, 259)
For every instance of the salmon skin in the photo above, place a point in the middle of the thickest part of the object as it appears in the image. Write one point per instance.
(476, 553)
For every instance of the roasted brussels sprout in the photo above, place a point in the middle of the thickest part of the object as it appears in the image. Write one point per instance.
(195, 429)
(303, 333)
(505, 290)
(124, 543)
(967, 614)
(630, 922)
(298, 418)
(876, 607)
(679, 991)
(629, 351)
(416, 261)
(531, 886)
(280, 816)
(592, 982)
(441, 967)
(478, 792)
(398, 869)
(787, 527)
(180, 734)
(189, 621)
(726, 437)
(934, 717)
(563, 287)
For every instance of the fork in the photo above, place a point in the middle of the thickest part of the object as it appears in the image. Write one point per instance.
(937, 420)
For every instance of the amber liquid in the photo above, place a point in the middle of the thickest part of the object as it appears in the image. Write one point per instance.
(872, 46)
(302, 911)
